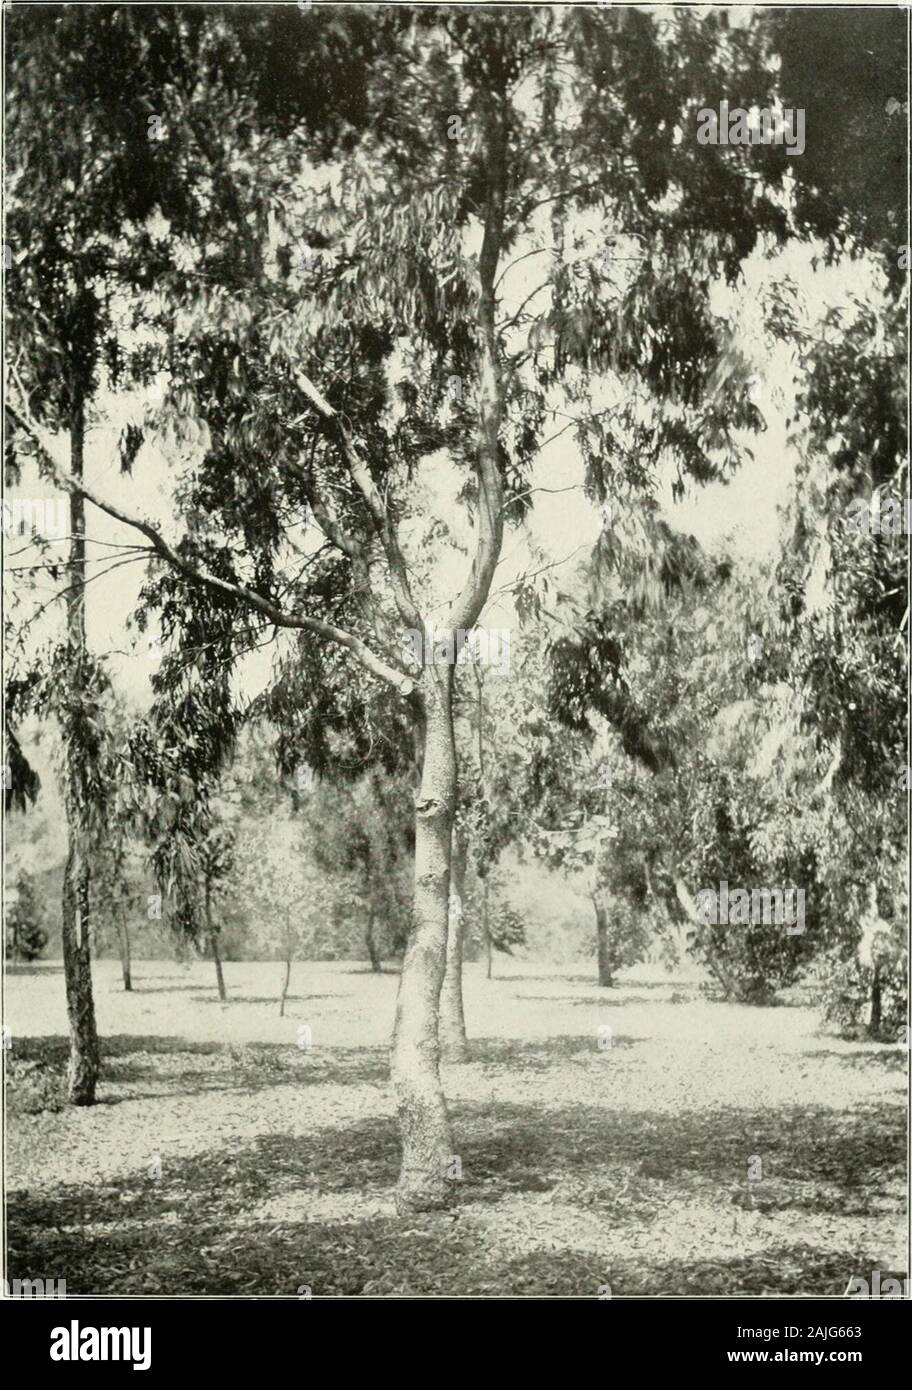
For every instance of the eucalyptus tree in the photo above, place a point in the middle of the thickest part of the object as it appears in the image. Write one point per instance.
(356, 317)
(843, 582)
(283, 896)
(560, 785)
(843, 596)
(80, 166)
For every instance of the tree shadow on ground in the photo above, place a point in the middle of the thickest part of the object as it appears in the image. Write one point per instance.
(195, 987)
(235, 1220)
(606, 995)
(22, 968)
(273, 998)
(192, 1068)
(245, 1067)
(591, 980)
(54, 1048)
(798, 1143)
(542, 1054)
(892, 1059)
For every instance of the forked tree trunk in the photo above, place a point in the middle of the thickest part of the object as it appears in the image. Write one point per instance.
(603, 945)
(454, 1045)
(125, 953)
(424, 1125)
(285, 983)
(213, 935)
(77, 967)
(370, 942)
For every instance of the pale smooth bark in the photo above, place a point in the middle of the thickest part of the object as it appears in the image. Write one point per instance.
(427, 1148)
(423, 1121)
(485, 919)
(454, 1045)
(871, 925)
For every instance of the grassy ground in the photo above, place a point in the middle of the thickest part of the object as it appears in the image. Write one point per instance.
(225, 1158)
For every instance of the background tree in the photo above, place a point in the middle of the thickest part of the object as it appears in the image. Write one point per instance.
(286, 895)
(360, 834)
(216, 848)
(115, 896)
(25, 935)
(69, 130)
(844, 612)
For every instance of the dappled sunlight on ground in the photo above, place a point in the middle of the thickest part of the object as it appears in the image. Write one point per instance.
(641, 1136)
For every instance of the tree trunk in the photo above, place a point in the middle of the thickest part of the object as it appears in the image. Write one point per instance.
(874, 1023)
(212, 933)
(486, 928)
(77, 966)
(675, 932)
(125, 953)
(485, 923)
(219, 977)
(285, 984)
(370, 942)
(603, 943)
(871, 925)
(453, 1042)
(82, 1075)
(424, 1126)
(423, 1122)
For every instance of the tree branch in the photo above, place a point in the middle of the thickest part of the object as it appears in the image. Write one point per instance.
(465, 611)
(196, 574)
(383, 522)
